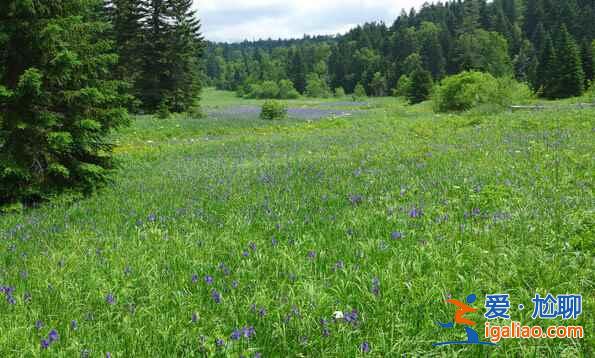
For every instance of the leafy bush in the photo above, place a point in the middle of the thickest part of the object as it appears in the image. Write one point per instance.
(317, 87)
(469, 90)
(268, 89)
(287, 90)
(359, 91)
(272, 110)
(402, 86)
(339, 92)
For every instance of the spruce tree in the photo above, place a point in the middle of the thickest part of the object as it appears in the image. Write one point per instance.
(173, 45)
(186, 50)
(545, 78)
(570, 78)
(58, 102)
(421, 86)
(126, 16)
(587, 59)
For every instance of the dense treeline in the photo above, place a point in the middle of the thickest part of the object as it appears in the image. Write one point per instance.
(69, 73)
(159, 45)
(548, 44)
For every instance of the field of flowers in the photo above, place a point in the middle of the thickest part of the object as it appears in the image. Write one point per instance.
(339, 236)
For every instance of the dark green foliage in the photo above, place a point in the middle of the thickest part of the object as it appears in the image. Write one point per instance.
(588, 61)
(57, 101)
(502, 37)
(569, 76)
(421, 86)
(170, 57)
(125, 17)
(273, 110)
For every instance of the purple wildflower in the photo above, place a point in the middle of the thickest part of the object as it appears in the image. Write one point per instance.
(351, 317)
(45, 344)
(85, 353)
(74, 325)
(396, 235)
(416, 213)
(245, 253)
(209, 280)
(326, 332)
(262, 312)
(257, 355)
(235, 284)
(194, 317)
(236, 335)
(356, 199)
(224, 269)
(376, 286)
(108, 355)
(340, 265)
(312, 254)
(216, 296)
(249, 332)
(219, 342)
(53, 336)
(152, 217)
(194, 278)
(365, 347)
(252, 246)
(274, 241)
(110, 299)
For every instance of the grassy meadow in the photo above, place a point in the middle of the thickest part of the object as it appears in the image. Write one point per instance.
(230, 237)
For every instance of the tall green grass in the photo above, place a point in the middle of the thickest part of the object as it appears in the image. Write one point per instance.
(296, 220)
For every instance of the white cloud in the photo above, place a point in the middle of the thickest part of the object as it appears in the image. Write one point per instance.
(229, 20)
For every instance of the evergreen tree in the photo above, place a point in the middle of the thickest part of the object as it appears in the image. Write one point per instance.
(58, 102)
(421, 86)
(569, 78)
(471, 17)
(170, 70)
(432, 55)
(183, 58)
(125, 17)
(546, 70)
(587, 59)
(534, 15)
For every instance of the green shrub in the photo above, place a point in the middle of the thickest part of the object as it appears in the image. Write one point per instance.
(339, 92)
(272, 110)
(252, 90)
(359, 91)
(469, 90)
(317, 87)
(268, 90)
(402, 86)
(287, 90)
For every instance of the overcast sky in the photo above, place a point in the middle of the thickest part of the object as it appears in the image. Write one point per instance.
(237, 20)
